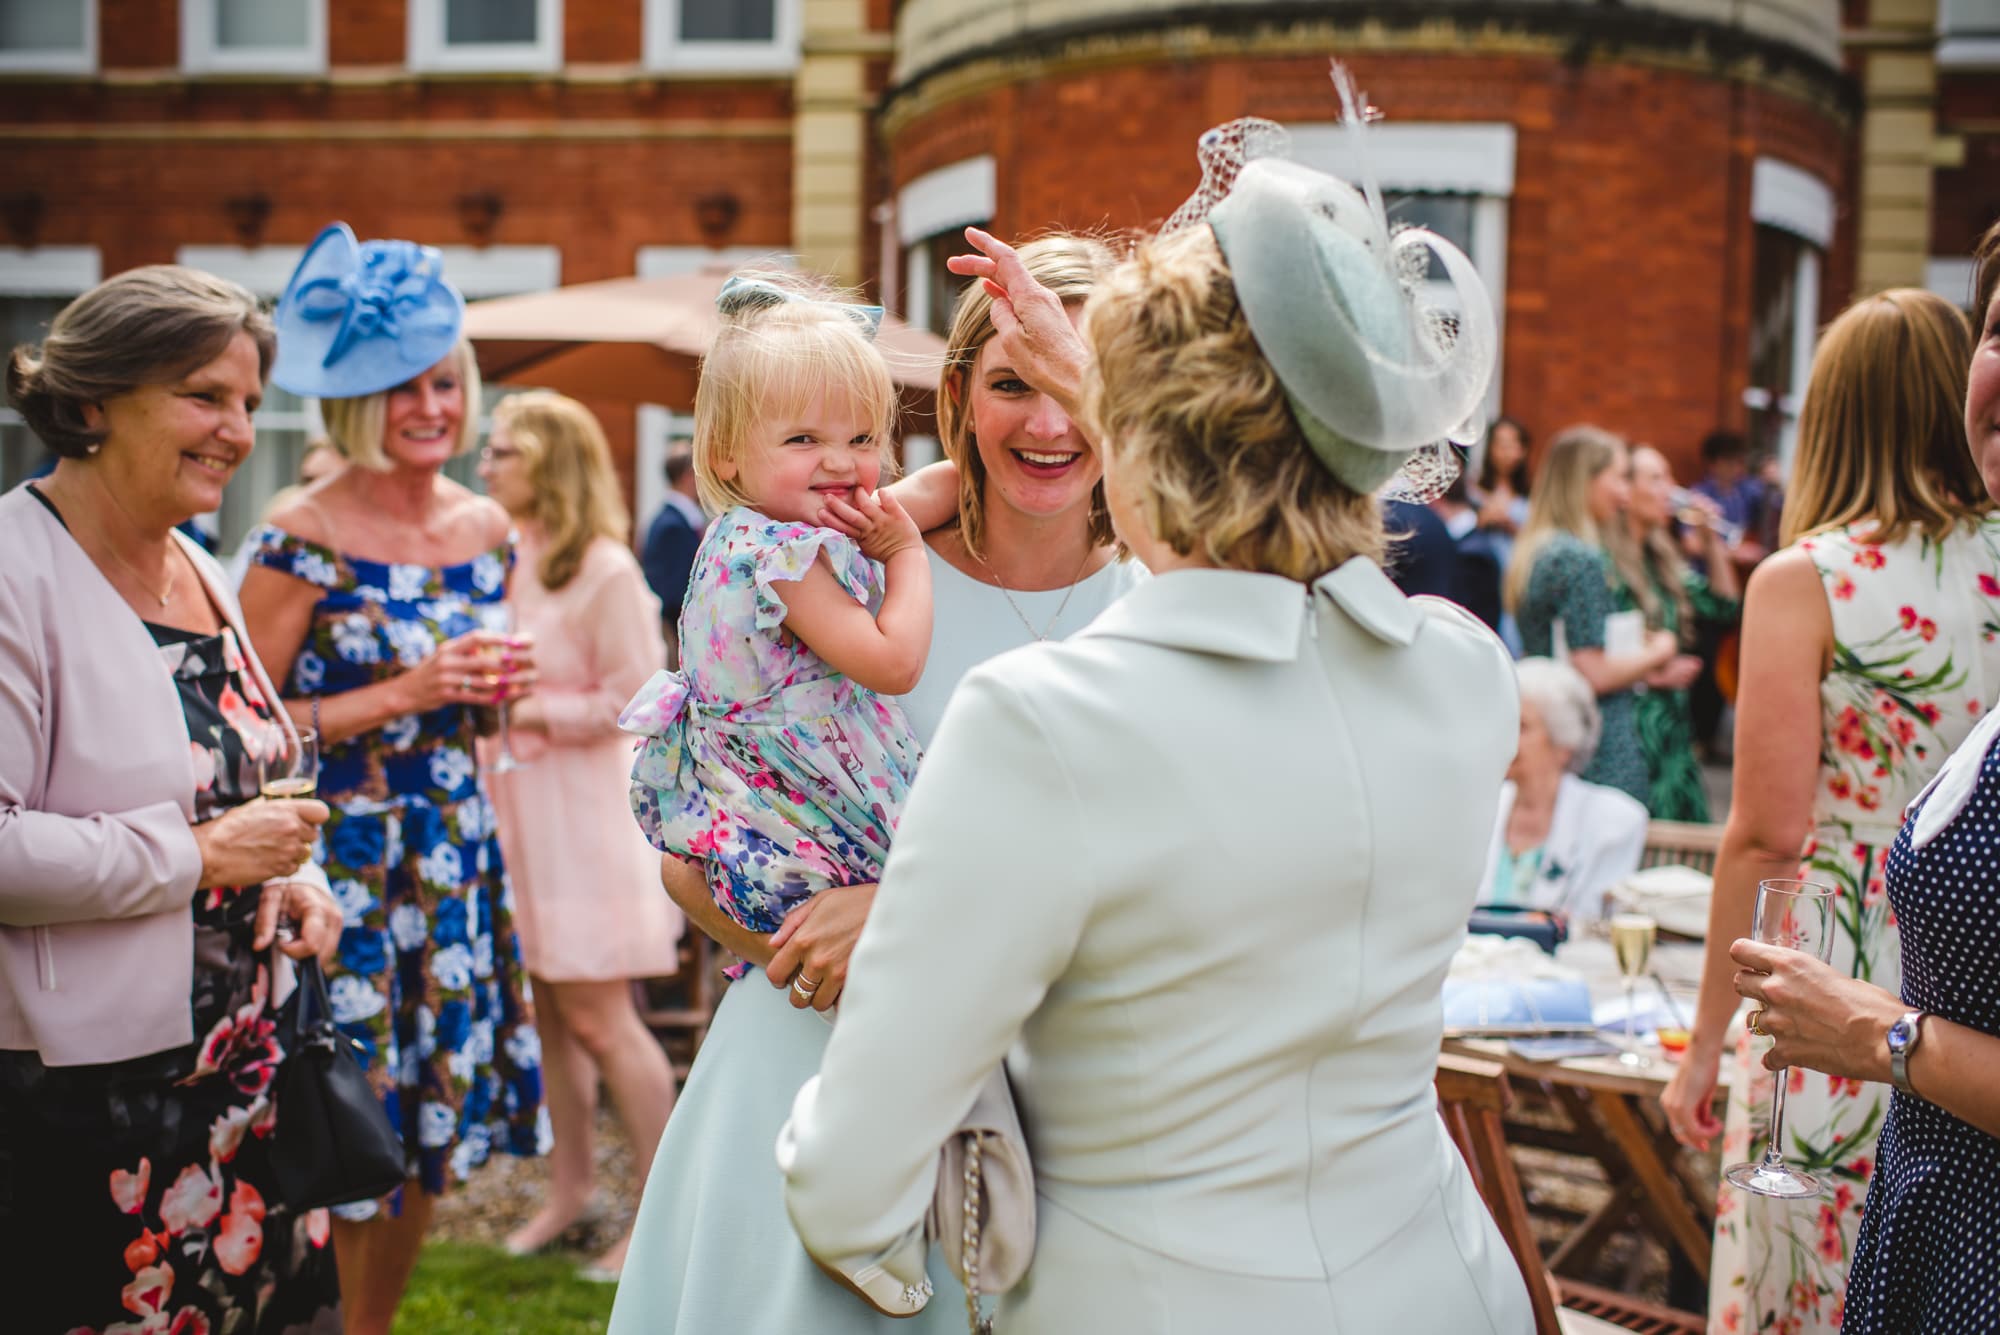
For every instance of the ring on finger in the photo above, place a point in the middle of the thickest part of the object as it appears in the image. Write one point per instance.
(1756, 1023)
(805, 986)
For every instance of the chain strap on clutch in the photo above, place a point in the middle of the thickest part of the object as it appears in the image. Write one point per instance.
(969, 1240)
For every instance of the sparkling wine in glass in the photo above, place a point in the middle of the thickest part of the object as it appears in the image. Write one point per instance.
(1797, 915)
(291, 773)
(499, 618)
(1632, 941)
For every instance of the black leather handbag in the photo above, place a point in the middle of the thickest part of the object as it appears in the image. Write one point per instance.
(334, 1142)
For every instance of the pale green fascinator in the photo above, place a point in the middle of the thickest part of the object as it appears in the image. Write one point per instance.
(1384, 365)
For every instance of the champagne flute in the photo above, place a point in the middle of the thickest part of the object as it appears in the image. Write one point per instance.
(293, 774)
(1797, 915)
(499, 618)
(1632, 937)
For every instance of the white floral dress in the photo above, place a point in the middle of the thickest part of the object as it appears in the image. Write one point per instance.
(1915, 666)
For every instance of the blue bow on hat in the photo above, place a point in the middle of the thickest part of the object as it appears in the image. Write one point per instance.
(356, 319)
(745, 292)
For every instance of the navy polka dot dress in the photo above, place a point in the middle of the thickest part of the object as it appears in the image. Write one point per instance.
(1928, 1256)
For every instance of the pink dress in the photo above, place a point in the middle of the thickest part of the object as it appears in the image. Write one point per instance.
(587, 898)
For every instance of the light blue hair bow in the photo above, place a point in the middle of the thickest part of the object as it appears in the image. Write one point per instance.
(745, 292)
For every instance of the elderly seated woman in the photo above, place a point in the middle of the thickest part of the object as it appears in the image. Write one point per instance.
(1561, 841)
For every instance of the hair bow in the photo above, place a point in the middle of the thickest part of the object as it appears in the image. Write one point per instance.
(747, 292)
(356, 319)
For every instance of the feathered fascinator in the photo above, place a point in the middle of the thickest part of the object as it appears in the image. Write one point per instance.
(356, 318)
(1384, 370)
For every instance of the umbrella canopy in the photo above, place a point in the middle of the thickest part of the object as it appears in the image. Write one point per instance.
(639, 340)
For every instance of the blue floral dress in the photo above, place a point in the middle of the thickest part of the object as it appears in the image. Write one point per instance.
(428, 979)
(760, 761)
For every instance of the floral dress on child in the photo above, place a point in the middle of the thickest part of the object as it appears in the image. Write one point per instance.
(1915, 666)
(759, 759)
(428, 978)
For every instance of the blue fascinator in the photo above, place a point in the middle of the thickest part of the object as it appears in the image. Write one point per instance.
(745, 292)
(357, 319)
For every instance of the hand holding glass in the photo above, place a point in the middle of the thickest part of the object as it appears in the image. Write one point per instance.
(1797, 915)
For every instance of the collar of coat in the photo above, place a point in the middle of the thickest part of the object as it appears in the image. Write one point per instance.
(1240, 614)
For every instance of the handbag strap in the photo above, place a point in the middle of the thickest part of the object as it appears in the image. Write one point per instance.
(969, 1238)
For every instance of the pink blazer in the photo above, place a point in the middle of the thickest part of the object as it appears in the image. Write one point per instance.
(98, 863)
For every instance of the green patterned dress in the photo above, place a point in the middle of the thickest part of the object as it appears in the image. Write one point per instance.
(1570, 586)
(1915, 666)
(1663, 718)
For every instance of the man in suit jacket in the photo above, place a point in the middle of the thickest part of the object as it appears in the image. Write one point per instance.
(672, 540)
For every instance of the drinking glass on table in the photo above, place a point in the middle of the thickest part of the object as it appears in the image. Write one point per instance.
(291, 774)
(499, 618)
(1797, 915)
(1632, 936)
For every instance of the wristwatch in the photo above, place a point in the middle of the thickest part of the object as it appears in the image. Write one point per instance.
(1904, 1035)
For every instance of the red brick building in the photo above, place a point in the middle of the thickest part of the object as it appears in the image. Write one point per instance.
(1656, 191)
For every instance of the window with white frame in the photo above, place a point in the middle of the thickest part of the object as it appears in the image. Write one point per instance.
(1455, 178)
(286, 423)
(48, 36)
(1969, 34)
(253, 36)
(34, 285)
(722, 36)
(1793, 213)
(485, 34)
(932, 213)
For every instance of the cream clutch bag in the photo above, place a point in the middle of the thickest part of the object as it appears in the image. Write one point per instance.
(983, 1211)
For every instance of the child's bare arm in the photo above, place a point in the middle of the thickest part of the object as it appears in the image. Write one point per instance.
(884, 652)
(929, 496)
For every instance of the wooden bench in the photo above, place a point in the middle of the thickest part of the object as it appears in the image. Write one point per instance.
(1680, 843)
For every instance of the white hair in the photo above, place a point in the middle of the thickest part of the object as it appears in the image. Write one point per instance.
(1566, 703)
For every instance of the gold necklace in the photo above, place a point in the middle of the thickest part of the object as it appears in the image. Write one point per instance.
(1041, 635)
(132, 570)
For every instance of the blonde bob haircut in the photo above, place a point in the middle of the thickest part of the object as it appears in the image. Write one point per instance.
(356, 426)
(1560, 501)
(568, 465)
(1191, 413)
(1882, 432)
(768, 364)
(1069, 266)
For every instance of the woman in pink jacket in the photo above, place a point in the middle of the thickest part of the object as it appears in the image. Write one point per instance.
(142, 879)
(587, 896)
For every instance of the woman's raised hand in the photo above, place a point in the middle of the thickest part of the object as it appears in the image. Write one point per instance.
(1031, 327)
(257, 841)
(480, 667)
(814, 943)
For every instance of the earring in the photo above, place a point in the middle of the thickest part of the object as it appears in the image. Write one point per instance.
(92, 449)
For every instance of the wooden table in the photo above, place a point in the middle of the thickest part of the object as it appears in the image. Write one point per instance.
(1614, 1112)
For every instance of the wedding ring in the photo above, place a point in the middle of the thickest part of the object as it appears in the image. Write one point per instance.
(1756, 1023)
(805, 986)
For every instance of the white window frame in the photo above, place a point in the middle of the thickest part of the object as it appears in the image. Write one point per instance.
(1474, 158)
(938, 204)
(429, 51)
(201, 55)
(666, 51)
(75, 60)
(1950, 276)
(1793, 200)
(1968, 40)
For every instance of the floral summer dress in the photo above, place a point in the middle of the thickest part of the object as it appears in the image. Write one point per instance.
(1663, 719)
(759, 759)
(428, 979)
(1570, 586)
(1915, 666)
(168, 1214)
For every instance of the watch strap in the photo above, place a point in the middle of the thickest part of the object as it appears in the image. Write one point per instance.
(1904, 1036)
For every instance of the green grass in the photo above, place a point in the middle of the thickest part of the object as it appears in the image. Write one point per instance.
(463, 1289)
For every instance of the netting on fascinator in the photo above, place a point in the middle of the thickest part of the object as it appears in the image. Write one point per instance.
(1385, 368)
